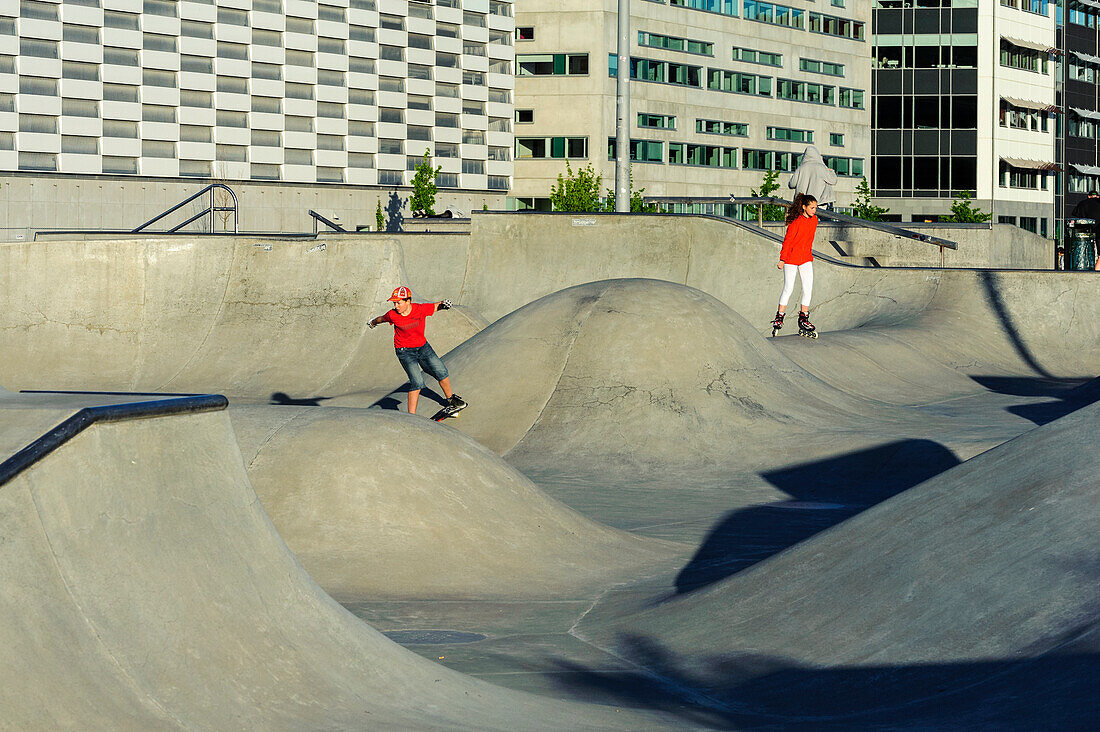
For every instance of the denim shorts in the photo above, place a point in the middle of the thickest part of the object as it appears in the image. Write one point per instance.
(412, 359)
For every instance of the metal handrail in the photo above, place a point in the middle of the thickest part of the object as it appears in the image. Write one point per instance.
(318, 217)
(211, 209)
(86, 417)
(821, 213)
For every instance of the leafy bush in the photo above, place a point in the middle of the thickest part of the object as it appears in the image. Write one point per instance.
(863, 208)
(963, 213)
(768, 186)
(637, 203)
(424, 189)
(577, 190)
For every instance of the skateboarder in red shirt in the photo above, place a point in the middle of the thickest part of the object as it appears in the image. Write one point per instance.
(413, 349)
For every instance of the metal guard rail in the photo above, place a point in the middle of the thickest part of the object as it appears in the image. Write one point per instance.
(211, 209)
(88, 416)
(318, 217)
(821, 213)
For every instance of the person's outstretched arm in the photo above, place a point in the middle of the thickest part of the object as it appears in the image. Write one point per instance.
(377, 321)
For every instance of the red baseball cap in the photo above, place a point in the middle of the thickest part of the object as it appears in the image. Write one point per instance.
(401, 293)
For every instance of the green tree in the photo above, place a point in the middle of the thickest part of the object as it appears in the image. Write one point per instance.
(577, 190)
(379, 219)
(637, 202)
(768, 186)
(862, 208)
(423, 185)
(963, 213)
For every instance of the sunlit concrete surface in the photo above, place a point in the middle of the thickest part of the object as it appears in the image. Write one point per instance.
(651, 514)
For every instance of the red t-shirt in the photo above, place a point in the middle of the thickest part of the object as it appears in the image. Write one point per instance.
(799, 241)
(408, 330)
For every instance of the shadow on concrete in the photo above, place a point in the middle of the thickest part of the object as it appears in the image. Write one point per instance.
(392, 403)
(283, 399)
(394, 216)
(1068, 395)
(994, 300)
(1055, 691)
(823, 493)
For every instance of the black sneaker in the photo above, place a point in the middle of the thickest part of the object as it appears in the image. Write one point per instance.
(456, 402)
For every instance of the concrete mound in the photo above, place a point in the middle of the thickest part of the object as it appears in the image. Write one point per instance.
(145, 587)
(379, 504)
(953, 600)
(646, 375)
(609, 350)
(248, 318)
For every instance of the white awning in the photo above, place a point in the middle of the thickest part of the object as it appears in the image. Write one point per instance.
(1090, 3)
(1029, 104)
(1026, 164)
(1029, 44)
(1085, 113)
(1087, 57)
(1086, 169)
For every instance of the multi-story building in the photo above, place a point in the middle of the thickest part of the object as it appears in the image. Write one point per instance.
(721, 91)
(1081, 69)
(964, 99)
(336, 92)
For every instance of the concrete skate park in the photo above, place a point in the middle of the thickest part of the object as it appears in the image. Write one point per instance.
(215, 512)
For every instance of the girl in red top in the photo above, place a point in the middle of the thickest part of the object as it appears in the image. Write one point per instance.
(796, 258)
(413, 349)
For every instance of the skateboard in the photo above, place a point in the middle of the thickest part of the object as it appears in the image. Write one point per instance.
(446, 412)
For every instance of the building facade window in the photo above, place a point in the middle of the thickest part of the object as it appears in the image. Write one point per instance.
(657, 121)
(739, 83)
(552, 64)
(789, 135)
(724, 7)
(804, 91)
(718, 127)
(710, 156)
(851, 98)
(814, 66)
(1028, 59)
(780, 160)
(551, 147)
(674, 43)
(851, 167)
(831, 25)
(754, 56)
(641, 151)
(775, 14)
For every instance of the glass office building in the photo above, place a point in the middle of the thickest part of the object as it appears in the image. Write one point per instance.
(964, 98)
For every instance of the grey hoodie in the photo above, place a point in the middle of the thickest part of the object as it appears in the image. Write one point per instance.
(814, 177)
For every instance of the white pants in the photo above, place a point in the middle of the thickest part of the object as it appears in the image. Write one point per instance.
(806, 272)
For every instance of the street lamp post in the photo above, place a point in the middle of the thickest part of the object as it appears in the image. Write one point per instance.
(622, 112)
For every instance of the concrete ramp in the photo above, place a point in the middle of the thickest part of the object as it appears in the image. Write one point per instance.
(145, 587)
(648, 377)
(635, 364)
(383, 505)
(970, 599)
(246, 317)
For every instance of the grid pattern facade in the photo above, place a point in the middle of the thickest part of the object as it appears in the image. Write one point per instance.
(338, 91)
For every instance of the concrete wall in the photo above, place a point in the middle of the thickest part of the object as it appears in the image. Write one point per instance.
(999, 247)
(105, 202)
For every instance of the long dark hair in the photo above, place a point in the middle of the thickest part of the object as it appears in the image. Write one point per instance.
(795, 209)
